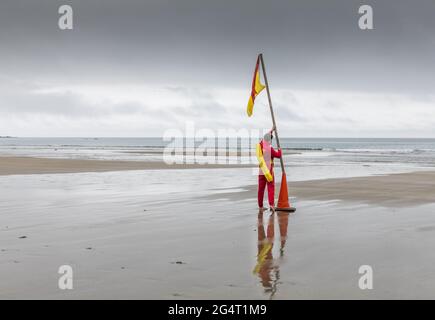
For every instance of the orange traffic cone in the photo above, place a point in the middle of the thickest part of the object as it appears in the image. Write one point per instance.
(283, 203)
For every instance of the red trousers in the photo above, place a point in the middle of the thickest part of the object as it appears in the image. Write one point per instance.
(262, 182)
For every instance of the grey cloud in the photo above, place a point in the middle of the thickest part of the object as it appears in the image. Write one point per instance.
(307, 44)
(193, 46)
(202, 103)
(27, 99)
(289, 112)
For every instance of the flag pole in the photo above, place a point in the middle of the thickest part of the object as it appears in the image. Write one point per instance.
(271, 111)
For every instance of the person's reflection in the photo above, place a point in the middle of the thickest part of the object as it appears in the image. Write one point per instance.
(267, 268)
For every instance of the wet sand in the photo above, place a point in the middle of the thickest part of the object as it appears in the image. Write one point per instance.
(137, 235)
(31, 165)
(393, 190)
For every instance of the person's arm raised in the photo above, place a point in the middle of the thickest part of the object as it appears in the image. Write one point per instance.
(276, 153)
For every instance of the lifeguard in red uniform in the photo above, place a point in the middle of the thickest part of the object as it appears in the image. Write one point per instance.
(265, 154)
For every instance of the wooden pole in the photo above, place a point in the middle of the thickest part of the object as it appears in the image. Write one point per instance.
(271, 111)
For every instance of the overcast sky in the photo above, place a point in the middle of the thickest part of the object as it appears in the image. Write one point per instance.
(138, 68)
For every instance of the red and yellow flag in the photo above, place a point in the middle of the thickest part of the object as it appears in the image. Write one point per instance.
(257, 86)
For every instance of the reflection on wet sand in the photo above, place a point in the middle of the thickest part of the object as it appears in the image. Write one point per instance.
(267, 268)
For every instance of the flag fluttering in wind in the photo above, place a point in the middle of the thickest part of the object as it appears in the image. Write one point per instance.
(257, 86)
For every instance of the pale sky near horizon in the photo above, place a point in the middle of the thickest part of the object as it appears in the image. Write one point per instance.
(138, 68)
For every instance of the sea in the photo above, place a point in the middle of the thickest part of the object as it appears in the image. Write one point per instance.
(332, 157)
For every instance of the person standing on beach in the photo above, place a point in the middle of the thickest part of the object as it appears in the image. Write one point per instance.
(266, 154)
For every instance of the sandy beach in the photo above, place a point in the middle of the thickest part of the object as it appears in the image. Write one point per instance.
(395, 190)
(133, 133)
(134, 234)
(33, 165)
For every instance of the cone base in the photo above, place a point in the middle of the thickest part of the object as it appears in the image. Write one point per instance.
(289, 209)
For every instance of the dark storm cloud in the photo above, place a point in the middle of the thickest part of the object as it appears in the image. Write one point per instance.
(310, 45)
